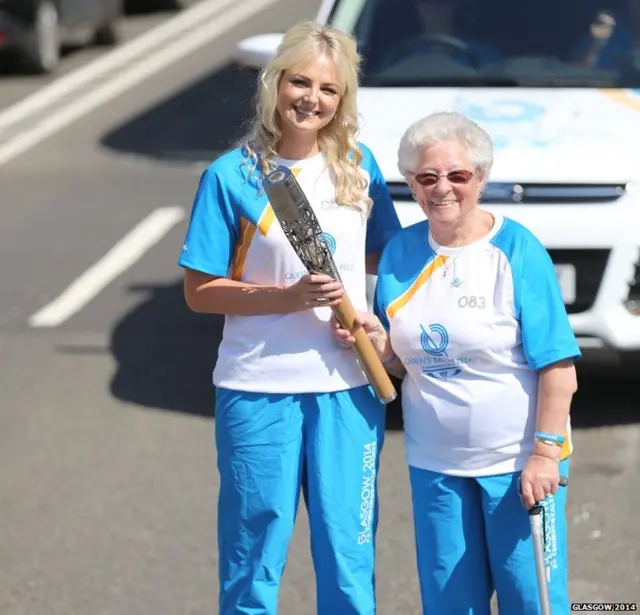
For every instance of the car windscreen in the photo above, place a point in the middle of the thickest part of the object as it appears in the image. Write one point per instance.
(546, 43)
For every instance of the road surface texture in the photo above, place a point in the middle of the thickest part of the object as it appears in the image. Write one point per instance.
(108, 483)
(136, 21)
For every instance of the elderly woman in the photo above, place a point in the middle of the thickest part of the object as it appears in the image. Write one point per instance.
(469, 313)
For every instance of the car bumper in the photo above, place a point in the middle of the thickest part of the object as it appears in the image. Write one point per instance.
(613, 320)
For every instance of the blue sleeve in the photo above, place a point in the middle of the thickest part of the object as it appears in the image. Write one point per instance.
(213, 228)
(383, 221)
(381, 294)
(547, 335)
(379, 306)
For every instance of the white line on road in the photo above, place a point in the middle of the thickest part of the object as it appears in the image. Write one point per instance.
(120, 56)
(129, 78)
(124, 254)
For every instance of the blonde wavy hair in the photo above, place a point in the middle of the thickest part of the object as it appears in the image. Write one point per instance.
(300, 45)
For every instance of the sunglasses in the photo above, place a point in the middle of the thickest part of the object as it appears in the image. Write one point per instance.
(455, 177)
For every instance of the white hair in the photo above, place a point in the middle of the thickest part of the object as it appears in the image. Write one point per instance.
(445, 126)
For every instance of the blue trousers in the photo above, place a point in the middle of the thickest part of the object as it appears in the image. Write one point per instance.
(270, 449)
(473, 537)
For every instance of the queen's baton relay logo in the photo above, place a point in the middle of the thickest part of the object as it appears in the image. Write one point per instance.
(434, 341)
(330, 241)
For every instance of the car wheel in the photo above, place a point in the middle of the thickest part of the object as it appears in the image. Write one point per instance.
(43, 49)
(172, 5)
(135, 6)
(107, 35)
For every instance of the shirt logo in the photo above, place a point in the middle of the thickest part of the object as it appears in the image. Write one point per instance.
(436, 341)
(435, 362)
(435, 344)
(438, 365)
(330, 241)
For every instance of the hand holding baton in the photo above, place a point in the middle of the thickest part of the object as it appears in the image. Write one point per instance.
(303, 231)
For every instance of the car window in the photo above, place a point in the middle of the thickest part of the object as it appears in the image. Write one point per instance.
(547, 43)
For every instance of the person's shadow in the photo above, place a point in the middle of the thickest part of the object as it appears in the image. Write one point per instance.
(193, 125)
(165, 353)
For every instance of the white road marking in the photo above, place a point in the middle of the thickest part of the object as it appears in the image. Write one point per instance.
(126, 79)
(124, 254)
(120, 56)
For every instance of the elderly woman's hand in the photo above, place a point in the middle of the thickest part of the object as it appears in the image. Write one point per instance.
(372, 326)
(540, 477)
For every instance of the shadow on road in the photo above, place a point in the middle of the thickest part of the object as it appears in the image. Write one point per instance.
(165, 354)
(193, 125)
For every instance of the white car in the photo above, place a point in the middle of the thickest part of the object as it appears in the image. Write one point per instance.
(554, 83)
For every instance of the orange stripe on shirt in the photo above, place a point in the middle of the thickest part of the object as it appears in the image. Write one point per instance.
(266, 220)
(424, 276)
(247, 231)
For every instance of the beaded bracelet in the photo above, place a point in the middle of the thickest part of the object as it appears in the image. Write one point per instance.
(547, 438)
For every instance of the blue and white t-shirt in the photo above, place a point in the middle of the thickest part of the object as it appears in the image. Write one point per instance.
(233, 232)
(472, 326)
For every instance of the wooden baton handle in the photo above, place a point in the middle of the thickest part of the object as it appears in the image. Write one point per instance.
(366, 353)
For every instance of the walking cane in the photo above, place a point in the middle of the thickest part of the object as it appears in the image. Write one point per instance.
(536, 521)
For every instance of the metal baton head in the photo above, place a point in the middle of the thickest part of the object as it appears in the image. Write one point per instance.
(275, 177)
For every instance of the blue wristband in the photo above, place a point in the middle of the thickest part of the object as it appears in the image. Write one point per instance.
(549, 437)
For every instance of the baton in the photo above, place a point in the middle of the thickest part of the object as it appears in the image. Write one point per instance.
(303, 231)
(536, 522)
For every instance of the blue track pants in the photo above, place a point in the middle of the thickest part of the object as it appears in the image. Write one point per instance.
(473, 537)
(272, 447)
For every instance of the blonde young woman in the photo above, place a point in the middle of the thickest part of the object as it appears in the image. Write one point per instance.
(293, 409)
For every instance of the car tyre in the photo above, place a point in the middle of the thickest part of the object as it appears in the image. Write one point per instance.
(134, 6)
(172, 5)
(107, 35)
(42, 54)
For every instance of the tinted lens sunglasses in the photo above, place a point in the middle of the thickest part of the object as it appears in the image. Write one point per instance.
(454, 177)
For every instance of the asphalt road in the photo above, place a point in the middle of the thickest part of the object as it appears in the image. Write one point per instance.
(108, 481)
(15, 86)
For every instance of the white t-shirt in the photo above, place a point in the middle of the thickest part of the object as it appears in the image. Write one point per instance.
(472, 326)
(233, 232)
